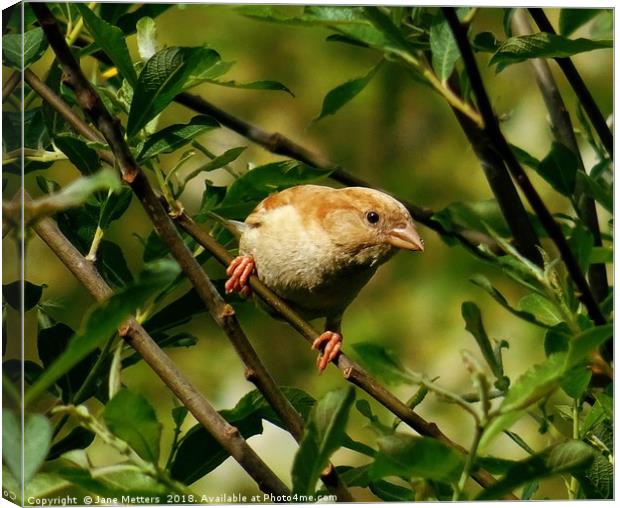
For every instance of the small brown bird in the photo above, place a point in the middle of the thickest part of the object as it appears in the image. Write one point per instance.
(316, 247)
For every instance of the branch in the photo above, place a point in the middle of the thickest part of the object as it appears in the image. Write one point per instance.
(223, 314)
(228, 436)
(10, 84)
(579, 87)
(563, 131)
(495, 134)
(89, 101)
(351, 371)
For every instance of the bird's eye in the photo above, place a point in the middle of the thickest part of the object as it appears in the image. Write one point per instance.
(372, 217)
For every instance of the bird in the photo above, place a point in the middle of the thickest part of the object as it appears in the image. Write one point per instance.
(317, 247)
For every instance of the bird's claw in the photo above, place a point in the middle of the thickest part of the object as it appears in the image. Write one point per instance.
(331, 343)
(239, 272)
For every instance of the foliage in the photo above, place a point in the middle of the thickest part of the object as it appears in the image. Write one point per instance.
(86, 364)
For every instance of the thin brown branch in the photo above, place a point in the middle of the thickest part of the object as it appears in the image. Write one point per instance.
(92, 105)
(495, 134)
(563, 132)
(10, 84)
(351, 371)
(227, 435)
(579, 86)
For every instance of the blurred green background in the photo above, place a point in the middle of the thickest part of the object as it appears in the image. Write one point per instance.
(397, 135)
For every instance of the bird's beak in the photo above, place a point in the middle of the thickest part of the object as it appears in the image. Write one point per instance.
(406, 238)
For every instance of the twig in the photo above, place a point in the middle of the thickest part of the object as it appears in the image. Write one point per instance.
(493, 130)
(10, 84)
(351, 371)
(579, 87)
(228, 436)
(562, 128)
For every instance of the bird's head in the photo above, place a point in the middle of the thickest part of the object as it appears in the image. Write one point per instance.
(368, 225)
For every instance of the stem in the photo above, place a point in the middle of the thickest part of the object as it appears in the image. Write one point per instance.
(94, 246)
(573, 490)
(495, 134)
(469, 462)
(10, 84)
(579, 86)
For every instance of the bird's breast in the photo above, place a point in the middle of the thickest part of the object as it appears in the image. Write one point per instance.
(301, 264)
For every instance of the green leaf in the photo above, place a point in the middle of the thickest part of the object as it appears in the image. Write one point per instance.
(325, 433)
(342, 94)
(265, 84)
(559, 168)
(51, 342)
(408, 456)
(111, 40)
(475, 215)
(114, 207)
(544, 310)
(581, 242)
(443, 46)
(164, 75)
(84, 158)
(76, 193)
(175, 136)
(473, 324)
(131, 417)
(221, 160)
(587, 342)
(147, 38)
(572, 19)
(11, 293)
(542, 45)
(245, 192)
(569, 457)
(383, 363)
(177, 313)
(598, 479)
(538, 382)
(78, 438)
(32, 46)
(557, 339)
(112, 265)
(103, 321)
(199, 453)
(36, 440)
(349, 22)
(597, 189)
(484, 283)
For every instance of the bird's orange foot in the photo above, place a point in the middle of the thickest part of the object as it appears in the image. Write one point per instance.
(239, 272)
(332, 342)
